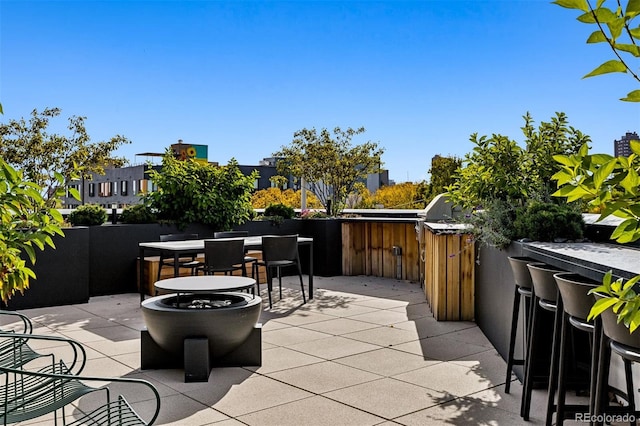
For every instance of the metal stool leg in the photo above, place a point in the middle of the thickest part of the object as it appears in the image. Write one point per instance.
(525, 404)
(512, 339)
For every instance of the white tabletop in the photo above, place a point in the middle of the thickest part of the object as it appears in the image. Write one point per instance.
(205, 284)
(187, 245)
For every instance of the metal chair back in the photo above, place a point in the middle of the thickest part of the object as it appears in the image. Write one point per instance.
(230, 234)
(178, 237)
(278, 248)
(544, 284)
(223, 255)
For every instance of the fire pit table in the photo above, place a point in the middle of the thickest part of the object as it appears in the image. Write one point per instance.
(206, 284)
(203, 323)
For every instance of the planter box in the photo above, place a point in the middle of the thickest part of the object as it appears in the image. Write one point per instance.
(62, 274)
(102, 260)
(327, 241)
(327, 246)
(266, 227)
(494, 296)
(114, 250)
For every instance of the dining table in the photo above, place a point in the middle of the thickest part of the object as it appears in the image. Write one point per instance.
(188, 247)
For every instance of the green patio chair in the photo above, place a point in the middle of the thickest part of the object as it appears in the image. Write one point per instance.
(27, 394)
(14, 352)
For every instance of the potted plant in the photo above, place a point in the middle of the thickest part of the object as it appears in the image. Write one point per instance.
(28, 222)
(499, 180)
(88, 215)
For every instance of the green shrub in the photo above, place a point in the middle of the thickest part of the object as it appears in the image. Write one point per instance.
(549, 222)
(88, 215)
(192, 192)
(281, 210)
(138, 213)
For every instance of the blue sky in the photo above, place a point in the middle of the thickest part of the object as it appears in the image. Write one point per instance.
(243, 76)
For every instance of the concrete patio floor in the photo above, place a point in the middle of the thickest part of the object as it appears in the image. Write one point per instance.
(364, 351)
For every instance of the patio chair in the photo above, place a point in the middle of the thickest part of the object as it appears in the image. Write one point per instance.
(28, 394)
(279, 252)
(223, 255)
(238, 234)
(15, 352)
(166, 258)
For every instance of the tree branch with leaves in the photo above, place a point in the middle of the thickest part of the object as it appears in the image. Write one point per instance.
(29, 147)
(613, 25)
(612, 184)
(329, 163)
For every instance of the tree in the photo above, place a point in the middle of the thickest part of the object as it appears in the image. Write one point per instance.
(499, 177)
(263, 198)
(26, 224)
(329, 164)
(612, 26)
(29, 147)
(192, 192)
(404, 195)
(443, 170)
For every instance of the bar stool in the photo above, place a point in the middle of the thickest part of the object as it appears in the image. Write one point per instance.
(576, 303)
(616, 338)
(522, 290)
(545, 296)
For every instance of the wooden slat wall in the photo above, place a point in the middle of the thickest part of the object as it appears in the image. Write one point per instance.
(367, 249)
(449, 276)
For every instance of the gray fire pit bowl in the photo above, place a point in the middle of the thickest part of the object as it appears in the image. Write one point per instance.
(225, 327)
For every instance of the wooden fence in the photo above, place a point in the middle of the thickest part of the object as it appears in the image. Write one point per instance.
(368, 249)
(449, 275)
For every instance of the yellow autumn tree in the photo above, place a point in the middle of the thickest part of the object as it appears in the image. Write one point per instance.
(263, 198)
(406, 195)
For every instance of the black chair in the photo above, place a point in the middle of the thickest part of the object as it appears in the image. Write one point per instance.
(223, 255)
(167, 259)
(545, 298)
(576, 304)
(238, 234)
(616, 338)
(522, 293)
(279, 252)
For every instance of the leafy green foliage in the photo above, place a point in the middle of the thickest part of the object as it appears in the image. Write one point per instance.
(609, 183)
(138, 213)
(549, 222)
(26, 223)
(29, 147)
(88, 215)
(499, 177)
(329, 164)
(613, 25)
(619, 296)
(191, 192)
(443, 171)
(612, 185)
(281, 210)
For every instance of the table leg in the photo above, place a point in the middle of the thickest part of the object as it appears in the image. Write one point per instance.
(141, 273)
(311, 271)
(176, 264)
